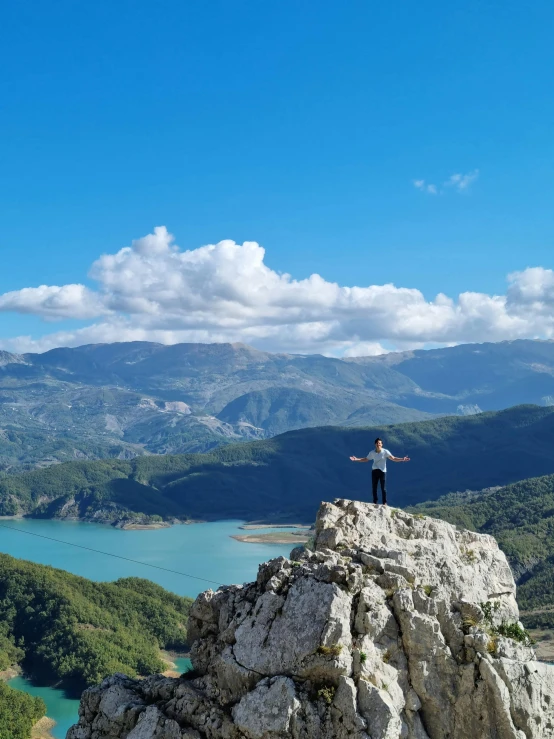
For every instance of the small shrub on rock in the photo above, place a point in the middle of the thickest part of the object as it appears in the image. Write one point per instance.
(509, 630)
(326, 693)
(515, 632)
(333, 650)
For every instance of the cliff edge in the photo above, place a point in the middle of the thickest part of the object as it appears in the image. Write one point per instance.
(395, 627)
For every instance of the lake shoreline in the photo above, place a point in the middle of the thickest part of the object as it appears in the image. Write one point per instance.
(274, 538)
(43, 728)
(10, 673)
(168, 656)
(187, 561)
(127, 525)
(116, 523)
(254, 525)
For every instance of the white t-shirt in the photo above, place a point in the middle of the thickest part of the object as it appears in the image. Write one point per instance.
(379, 459)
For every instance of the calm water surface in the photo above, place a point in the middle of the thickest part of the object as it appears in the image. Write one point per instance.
(204, 550)
(62, 709)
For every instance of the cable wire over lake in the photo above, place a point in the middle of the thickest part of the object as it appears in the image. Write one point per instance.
(109, 554)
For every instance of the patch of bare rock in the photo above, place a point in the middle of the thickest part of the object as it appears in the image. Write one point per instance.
(377, 634)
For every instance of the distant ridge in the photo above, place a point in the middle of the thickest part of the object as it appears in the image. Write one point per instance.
(134, 398)
(283, 478)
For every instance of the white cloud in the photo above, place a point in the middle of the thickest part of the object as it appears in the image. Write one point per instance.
(531, 293)
(225, 292)
(460, 181)
(53, 302)
(421, 185)
(364, 349)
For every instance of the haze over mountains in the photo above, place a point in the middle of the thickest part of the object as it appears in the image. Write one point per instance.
(127, 399)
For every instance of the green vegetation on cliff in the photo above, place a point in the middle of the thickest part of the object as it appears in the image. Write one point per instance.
(61, 627)
(521, 518)
(18, 713)
(289, 475)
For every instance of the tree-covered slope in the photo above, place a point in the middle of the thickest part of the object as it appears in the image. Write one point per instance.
(61, 627)
(289, 475)
(18, 713)
(25, 449)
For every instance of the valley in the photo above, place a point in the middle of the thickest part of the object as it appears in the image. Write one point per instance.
(206, 550)
(89, 436)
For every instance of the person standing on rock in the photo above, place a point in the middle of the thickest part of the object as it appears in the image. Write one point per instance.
(379, 470)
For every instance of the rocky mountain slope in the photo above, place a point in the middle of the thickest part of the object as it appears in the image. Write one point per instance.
(395, 627)
(521, 517)
(127, 399)
(141, 397)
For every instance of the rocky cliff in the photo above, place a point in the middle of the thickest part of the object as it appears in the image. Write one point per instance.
(395, 627)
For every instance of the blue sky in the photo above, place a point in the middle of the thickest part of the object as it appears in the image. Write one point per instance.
(298, 125)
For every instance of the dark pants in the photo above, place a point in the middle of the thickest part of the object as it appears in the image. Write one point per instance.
(376, 477)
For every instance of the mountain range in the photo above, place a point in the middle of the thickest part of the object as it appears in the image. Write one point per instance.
(124, 400)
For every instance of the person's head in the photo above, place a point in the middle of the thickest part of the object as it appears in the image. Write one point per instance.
(378, 444)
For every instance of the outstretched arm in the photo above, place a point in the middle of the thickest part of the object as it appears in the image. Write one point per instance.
(399, 459)
(359, 459)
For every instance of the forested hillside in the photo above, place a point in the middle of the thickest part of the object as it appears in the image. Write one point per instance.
(18, 713)
(61, 627)
(288, 476)
(521, 517)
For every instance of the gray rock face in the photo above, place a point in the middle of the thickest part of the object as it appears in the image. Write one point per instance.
(377, 634)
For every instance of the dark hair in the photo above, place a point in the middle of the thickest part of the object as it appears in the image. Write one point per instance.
(378, 439)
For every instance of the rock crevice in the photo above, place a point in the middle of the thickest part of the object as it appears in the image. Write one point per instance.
(378, 633)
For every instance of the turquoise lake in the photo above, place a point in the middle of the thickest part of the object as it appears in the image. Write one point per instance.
(204, 550)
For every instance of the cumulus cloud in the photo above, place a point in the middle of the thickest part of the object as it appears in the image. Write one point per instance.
(154, 291)
(531, 293)
(53, 302)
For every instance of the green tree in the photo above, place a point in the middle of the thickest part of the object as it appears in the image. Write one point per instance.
(18, 713)
(63, 627)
